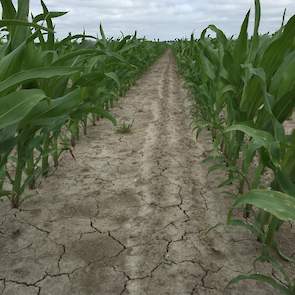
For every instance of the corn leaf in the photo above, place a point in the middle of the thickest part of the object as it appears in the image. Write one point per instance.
(15, 106)
(50, 14)
(55, 108)
(38, 73)
(279, 204)
(261, 137)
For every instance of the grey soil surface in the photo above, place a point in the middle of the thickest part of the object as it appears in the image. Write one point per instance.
(132, 214)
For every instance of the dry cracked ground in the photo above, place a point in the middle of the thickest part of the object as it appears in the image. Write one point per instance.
(134, 214)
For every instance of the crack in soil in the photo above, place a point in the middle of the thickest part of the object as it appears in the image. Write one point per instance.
(34, 226)
(23, 283)
(129, 278)
(170, 242)
(95, 229)
(61, 256)
(119, 242)
(180, 205)
(207, 271)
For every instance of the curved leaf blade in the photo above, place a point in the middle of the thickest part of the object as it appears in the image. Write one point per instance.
(15, 106)
(280, 205)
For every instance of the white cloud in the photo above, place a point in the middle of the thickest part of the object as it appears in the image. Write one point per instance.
(164, 19)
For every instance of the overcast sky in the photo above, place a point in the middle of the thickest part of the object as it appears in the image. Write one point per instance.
(164, 19)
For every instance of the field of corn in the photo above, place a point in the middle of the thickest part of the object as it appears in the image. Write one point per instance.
(104, 189)
(244, 92)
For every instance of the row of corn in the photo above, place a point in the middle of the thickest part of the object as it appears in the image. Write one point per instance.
(51, 89)
(244, 93)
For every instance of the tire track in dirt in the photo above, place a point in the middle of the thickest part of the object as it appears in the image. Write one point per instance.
(132, 214)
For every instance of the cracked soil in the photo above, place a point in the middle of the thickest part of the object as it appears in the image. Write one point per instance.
(133, 213)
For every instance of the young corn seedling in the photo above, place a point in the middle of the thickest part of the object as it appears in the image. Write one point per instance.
(125, 127)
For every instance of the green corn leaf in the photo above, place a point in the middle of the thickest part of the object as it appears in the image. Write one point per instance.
(105, 114)
(276, 51)
(281, 205)
(38, 73)
(261, 137)
(50, 14)
(7, 133)
(8, 12)
(50, 34)
(128, 47)
(257, 18)
(283, 107)
(254, 91)
(251, 227)
(90, 79)
(220, 35)
(20, 32)
(249, 151)
(255, 38)
(10, 63)
(15, 106)
(285, 182)
(14, 22)
(241, 45)
(283, 80)
(68, 56)
(7, 139)
(70, 38)
(264, 279)
(103, 36)
(8, 9)
(115, 78)
(50, 123)
(58, 107)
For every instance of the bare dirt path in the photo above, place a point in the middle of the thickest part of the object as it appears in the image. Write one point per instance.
(131, 215)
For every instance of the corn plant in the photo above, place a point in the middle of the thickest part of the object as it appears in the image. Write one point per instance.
(125, 127)
(244, 91)
(49, 88)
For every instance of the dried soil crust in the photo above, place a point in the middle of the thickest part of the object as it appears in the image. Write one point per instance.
(131, 215)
